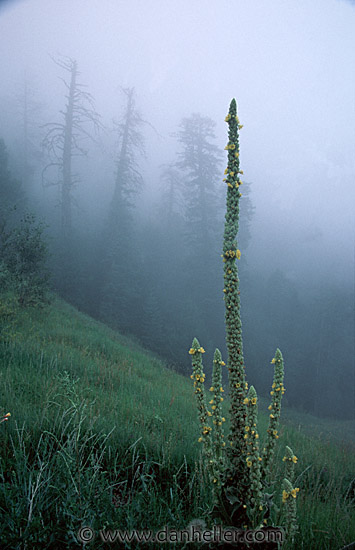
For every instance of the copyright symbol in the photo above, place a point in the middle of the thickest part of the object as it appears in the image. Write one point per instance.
(85, 534)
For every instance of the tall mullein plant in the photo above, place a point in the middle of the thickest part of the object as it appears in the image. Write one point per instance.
(231, 253)
(239, 472)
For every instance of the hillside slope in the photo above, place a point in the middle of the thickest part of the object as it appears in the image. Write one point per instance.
(102, 433)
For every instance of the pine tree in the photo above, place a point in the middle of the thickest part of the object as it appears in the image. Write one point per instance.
(199, 162)
(63, 141)
(29, 113)
(121, 263)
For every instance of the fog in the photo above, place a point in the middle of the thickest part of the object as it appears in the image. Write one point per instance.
(290, 65)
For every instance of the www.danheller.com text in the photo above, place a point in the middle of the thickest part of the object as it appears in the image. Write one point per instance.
(192, 534)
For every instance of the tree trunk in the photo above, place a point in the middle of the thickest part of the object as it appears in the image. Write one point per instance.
(67, 183)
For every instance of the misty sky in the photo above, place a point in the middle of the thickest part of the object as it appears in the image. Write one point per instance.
(290, 65)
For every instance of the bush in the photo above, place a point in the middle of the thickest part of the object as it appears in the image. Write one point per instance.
(23, 262)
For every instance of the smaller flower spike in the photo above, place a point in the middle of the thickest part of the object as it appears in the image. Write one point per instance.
(217, 417)
(214, 462)
(289, 495)
(252, 455)
(275, 408)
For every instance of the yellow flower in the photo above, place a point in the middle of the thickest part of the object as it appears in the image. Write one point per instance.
(237, 385)
(223, 419)
(249, 463)
(221, 389)
(226, 171)
(192, 351)
(238, 254)
(213, 407)
(228, 117)
(211, 388)
(247, 428)
(246, 436)
(246, 401)
(270, 407)
(273, 385)
(221, 399)
(272, 416)
(260, 507)
(223, 364)
(253, 401)
(256, 436)
(285, 495)
(201, 350)
(211, 402)
(209, 413)
(273, 361)
(271, 393)
(200, 439)
(215, 480)
(231, 174)
(294, 492)
(192, 376)
(294, 459)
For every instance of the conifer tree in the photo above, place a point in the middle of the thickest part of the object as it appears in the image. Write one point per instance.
(199, 161)
(120, 264)
(64, 140)
(29, 113)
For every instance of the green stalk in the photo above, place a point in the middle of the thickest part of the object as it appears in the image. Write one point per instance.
(237, 382)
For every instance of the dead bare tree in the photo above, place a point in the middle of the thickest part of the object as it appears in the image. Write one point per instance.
(64, 139)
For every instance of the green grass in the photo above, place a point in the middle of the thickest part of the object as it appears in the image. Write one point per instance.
(102, 433)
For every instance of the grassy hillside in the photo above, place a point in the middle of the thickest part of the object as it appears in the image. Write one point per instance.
(103, 434)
